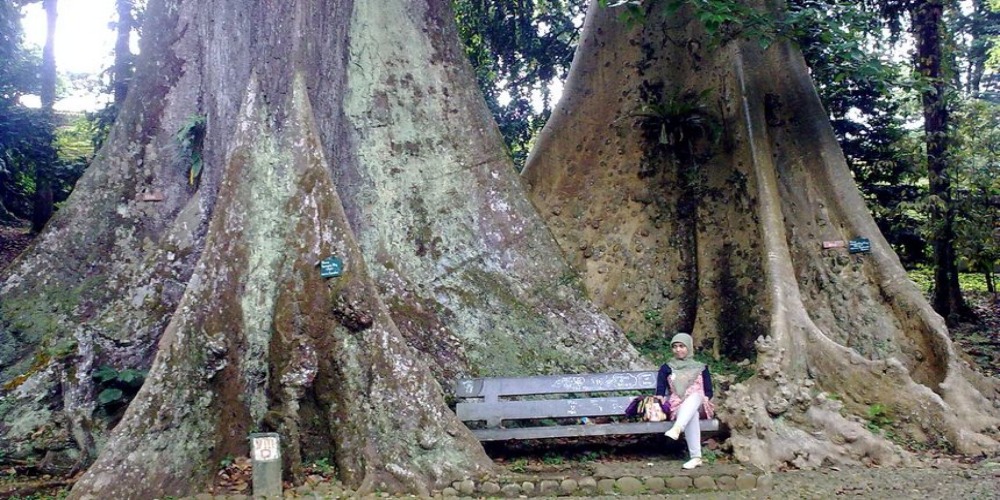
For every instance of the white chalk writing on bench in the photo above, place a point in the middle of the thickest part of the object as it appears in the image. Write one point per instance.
(611, 381)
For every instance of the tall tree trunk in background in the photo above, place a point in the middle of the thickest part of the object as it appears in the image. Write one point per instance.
(770, 191)
(257, 139)
(981, 25)
(123, 52)
(48, 71)
(928, 24)
(42, 200)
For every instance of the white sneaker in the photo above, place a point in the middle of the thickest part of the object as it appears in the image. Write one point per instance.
(674, 433)
(690, 464)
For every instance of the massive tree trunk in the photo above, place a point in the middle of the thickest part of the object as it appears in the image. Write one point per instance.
(257, 139)
(732, 244)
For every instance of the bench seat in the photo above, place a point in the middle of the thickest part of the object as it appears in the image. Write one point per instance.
(564, 397)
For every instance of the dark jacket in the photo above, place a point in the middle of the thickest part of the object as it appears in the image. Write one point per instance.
(662, 386)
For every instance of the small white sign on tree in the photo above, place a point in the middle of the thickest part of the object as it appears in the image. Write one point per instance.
(265, 449)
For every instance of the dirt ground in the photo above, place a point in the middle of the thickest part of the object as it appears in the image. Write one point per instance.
(946, 479)
(930, 475)
(12, 241)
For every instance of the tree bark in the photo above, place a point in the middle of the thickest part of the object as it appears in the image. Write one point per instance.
(928, 23)
(42, 199)
(322, 128)
(830, 333)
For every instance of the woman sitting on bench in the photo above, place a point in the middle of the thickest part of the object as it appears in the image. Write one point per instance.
(686, 386)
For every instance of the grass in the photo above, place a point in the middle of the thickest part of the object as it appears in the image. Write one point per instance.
(553, 459)
(878, 417)
(519, 465)
(323, 466)
(923, 276)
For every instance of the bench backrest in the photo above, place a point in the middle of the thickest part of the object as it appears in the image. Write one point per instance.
(582, 391)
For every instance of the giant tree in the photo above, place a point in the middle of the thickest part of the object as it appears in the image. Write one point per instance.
(257, 139)
(260, 139)
(696, 179)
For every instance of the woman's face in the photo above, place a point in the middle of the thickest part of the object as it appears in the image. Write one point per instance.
(680, 350)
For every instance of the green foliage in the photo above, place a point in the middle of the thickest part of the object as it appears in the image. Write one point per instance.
(727, 20)
(18, 66)
(117, 388)
(110, 396)
(677, 120)
(100, 124)
(630, 12)
(656, 347)
(323, 466)
(35, 157)
(73, 141)
(861, 89)
(723, 20)
(923, 277)
(552, 458)
(880, 420)
(26, 151)
(725, 366)
(675, 124)
(592, 456)
(518, 50)
(519, 465)
(653, 318)
(191, 138)
(977, 186)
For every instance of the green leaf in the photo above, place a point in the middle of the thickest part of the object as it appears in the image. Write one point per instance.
(105, 374)
(195, 171)
(108, 396)
(132, 378)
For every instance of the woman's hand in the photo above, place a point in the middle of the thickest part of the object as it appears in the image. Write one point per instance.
(661, 399)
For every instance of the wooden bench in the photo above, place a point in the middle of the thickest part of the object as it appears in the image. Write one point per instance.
(566, 397)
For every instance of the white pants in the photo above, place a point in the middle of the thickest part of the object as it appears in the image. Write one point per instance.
(687, 419)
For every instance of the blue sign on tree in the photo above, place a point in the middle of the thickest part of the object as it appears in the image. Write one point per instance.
(331, 267)
(859, 245)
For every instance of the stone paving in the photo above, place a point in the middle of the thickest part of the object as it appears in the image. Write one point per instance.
(615, 479)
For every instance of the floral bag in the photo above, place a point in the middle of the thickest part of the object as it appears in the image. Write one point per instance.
(647, 408)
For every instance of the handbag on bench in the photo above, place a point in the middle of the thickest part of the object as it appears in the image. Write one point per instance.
(647, 408)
